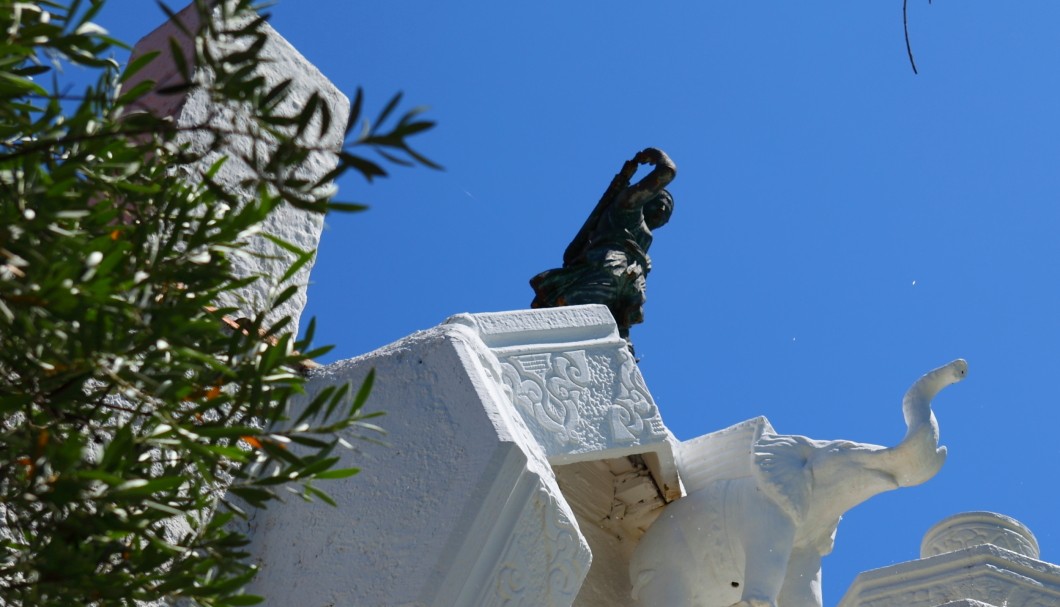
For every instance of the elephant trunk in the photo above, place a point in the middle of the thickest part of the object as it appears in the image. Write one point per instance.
(918, 457)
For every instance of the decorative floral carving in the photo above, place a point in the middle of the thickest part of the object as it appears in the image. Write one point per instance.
(969, 529)
(511, 585)
(546, 545)
(967, 537)
(549, 389)
(568, 556)
(633, 412)
(582, 399)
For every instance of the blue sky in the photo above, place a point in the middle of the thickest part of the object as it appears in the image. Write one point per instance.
(841, 225)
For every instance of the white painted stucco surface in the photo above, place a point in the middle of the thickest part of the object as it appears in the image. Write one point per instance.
(460, 507)
(281, 62)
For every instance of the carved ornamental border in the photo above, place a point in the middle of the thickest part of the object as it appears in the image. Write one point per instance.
(572, 380)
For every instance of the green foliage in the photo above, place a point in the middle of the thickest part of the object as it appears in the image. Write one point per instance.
(133, 408)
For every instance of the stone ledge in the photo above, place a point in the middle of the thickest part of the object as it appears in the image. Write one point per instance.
(983, 573)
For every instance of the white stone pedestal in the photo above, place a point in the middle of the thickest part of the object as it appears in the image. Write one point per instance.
(973, 559)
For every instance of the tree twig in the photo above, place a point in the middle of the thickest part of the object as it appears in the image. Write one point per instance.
(905, 24)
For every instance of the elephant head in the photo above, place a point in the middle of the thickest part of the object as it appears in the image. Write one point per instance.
(753, 532)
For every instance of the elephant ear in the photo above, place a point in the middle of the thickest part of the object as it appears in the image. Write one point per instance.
(781, 465)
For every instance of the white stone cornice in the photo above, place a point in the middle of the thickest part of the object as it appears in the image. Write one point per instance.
(572, 379)
(971, 576)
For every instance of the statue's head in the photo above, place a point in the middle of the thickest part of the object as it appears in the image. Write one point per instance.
(657, 211)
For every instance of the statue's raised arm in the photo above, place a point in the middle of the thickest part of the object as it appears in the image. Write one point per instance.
(653, 183)
(607, 261)
(620, 192)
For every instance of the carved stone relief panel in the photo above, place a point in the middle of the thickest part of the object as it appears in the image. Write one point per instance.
(582, 400)
(545, 560)
(969, 529)
(576, 389)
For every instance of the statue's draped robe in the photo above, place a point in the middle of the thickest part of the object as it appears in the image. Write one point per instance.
(607, 261)
(610, 269)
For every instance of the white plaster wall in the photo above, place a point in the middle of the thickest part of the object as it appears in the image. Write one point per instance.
(458, 508)
(281, 62)
(297, 227)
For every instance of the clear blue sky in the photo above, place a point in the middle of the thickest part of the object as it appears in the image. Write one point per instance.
(841, 226)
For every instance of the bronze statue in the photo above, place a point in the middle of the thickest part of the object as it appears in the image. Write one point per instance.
(607, 261)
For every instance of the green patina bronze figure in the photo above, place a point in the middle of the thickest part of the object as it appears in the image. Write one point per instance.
(607, 261)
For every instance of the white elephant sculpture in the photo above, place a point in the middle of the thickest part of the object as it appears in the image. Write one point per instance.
(755, 538)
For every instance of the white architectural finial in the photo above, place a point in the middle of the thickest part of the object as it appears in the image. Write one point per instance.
(971, 559)
(969, 529)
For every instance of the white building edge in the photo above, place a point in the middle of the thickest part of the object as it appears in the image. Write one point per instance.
(525, 460)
